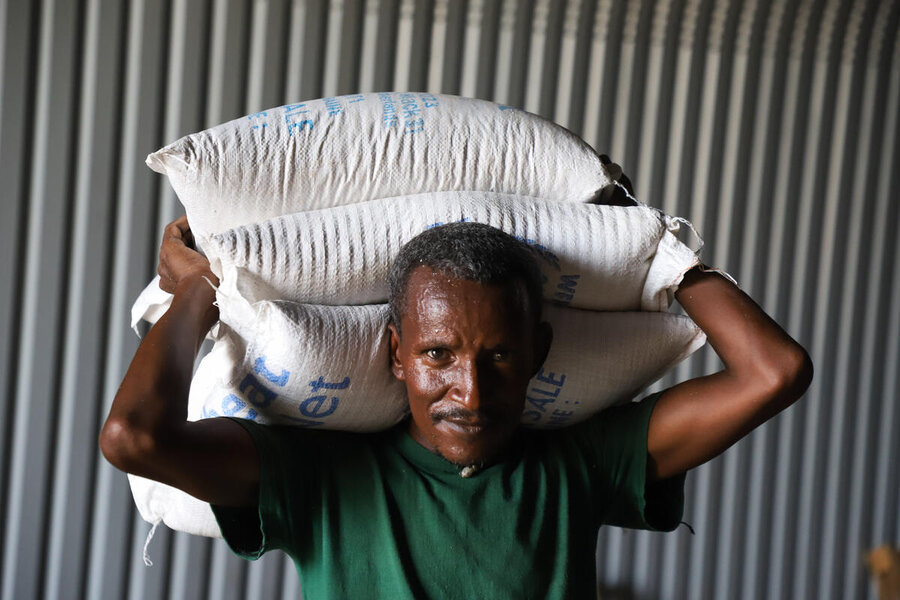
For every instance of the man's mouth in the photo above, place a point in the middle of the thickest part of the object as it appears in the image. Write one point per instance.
(464, 426)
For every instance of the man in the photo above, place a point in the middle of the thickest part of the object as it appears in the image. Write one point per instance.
(459, 501)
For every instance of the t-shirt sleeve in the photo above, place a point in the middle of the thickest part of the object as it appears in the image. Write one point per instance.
(252, 531)
(616, 443)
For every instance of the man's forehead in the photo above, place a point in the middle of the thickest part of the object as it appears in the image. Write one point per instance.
(439, 299)
(433, 284)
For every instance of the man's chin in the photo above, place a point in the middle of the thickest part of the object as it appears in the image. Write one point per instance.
(469, 446)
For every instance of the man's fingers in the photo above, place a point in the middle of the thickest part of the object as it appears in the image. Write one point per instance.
(177, 228)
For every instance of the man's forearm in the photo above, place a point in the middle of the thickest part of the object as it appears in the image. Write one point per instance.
(749, 342)
(152, 399)
(765, 371)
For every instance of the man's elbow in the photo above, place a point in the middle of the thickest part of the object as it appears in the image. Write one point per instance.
(789, 377)
(126, 447)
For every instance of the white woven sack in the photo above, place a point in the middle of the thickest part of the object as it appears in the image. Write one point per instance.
(596, 360)
(157, 502)
(350, 149)
(594, 257)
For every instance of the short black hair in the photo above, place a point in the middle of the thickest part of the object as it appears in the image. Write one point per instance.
(469, 251)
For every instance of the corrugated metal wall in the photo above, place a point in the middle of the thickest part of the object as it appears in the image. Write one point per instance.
(773, 125)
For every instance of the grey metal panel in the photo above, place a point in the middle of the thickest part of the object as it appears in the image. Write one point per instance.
(773, 124)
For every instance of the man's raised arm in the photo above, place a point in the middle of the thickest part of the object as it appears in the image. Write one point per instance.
(147, 432)
(765, 372)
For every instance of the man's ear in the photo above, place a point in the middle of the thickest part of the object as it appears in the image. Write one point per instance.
(543, 338)
(396, 363)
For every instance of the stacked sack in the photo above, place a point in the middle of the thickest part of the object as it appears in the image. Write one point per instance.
(301, 210)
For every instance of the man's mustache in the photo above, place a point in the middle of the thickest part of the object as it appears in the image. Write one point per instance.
(457, 413)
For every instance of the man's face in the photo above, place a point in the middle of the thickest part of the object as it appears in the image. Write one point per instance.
(467, 353)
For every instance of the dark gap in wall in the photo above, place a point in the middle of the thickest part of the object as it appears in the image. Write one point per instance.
(520, 45)
(284, 53)
(246, 34)
(454, 42)
(420, 47)
(487, 50)
(386, 48)
(553, 36)
(203, 69)
(312, 67)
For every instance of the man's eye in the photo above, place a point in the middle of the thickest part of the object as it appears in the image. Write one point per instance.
(436, 353)
(499, 355)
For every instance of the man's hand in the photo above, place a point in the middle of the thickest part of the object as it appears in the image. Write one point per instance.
(178, 258)
(765, 372)
(147, 432)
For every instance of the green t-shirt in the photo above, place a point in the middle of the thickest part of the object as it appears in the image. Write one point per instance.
(379, 516)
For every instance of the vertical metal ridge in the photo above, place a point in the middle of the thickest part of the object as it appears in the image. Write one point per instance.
(505, 37)
(21, 78)
(369, 46)
(472, 40)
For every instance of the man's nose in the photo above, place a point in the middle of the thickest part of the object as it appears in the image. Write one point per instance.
(469, 385)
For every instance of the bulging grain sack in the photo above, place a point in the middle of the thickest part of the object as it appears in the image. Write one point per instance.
(594, 257)
(349, 149)
(327, 367)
